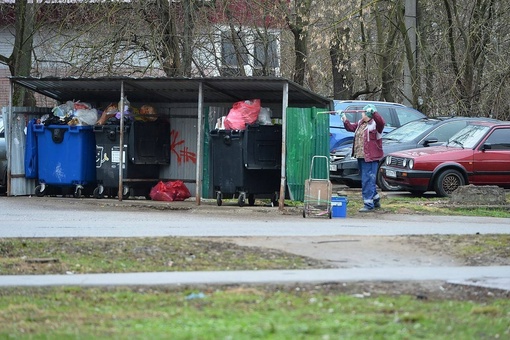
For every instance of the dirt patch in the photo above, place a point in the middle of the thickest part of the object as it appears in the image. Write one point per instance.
(389, 251)
(427, 290)
(355, 251)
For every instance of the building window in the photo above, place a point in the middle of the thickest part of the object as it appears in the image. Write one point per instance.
(246, 53)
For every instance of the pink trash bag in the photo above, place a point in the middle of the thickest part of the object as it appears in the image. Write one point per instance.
(170, 191)
(242, 113)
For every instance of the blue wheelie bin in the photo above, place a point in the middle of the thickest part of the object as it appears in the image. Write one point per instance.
(65, 158)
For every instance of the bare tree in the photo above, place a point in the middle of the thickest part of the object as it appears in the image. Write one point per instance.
(20, 61)
(463, 48)
(298, 20)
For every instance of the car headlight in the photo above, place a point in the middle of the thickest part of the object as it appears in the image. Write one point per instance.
(410, 164)
(404, 162)
(388, 160)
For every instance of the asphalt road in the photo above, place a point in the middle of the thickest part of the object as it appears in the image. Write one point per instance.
(67, 217)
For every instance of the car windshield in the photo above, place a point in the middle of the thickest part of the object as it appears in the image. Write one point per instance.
(410, 131)
(469, 136)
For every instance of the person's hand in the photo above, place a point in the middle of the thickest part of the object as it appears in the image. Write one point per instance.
(342, 116)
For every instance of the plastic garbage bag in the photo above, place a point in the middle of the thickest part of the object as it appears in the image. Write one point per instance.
(170, 191)
(242, 113)
(264, 117)
(86, 116)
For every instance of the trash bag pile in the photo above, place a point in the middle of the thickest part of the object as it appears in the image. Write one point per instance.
(245, 113)
(80, 113)
(170, 191)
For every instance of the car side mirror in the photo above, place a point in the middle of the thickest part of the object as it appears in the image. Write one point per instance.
(486, 146)
(430, 141)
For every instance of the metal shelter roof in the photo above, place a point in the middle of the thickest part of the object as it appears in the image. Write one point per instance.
(173, 90)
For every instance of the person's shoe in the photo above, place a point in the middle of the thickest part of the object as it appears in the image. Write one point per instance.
(377, 204)
(365, 209)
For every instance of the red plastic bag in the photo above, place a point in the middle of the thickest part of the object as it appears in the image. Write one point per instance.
(242, 113)
(170, 191)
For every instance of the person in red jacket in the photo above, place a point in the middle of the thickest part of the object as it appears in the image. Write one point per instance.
(367, 148)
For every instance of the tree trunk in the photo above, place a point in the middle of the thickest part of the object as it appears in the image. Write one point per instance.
(341, 68)
(20, 61)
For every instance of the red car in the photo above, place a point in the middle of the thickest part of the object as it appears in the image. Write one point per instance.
(479, 154)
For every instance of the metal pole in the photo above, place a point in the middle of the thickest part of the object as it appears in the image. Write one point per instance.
(410, 23)
(121, 140)
(8, 138)
(283, 179)
(200, 140)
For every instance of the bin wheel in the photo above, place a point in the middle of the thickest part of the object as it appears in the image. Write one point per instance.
(304, 213)
(125, 192)
(329, 214)
(98, 193)
(39, 191)
(275, 199)
(241, 199)
(251, 199)
(219, 200)
(77, 193)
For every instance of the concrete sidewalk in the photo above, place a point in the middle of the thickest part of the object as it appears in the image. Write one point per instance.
(497, 277)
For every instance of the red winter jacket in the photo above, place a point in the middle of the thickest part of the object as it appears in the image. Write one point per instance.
(373, 142)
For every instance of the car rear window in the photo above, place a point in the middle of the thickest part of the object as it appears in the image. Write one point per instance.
(353, 113)
(405, 115)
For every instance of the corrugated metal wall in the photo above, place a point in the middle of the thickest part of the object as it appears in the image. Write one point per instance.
(307, 136)
(16, 123)
(183, 147)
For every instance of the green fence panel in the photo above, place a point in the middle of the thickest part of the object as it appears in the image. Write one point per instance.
(307, 136)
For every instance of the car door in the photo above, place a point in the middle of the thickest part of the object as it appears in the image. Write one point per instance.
(491, 161)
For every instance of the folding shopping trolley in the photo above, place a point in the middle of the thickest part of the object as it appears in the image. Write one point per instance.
(318, 191)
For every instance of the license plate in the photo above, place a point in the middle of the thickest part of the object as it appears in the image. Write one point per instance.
(391, 173)
(332, 167)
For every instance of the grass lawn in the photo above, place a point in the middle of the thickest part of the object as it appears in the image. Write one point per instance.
(243, 313)
(329, 311)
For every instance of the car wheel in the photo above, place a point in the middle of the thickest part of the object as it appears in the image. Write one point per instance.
(385, 186)
(447, 182)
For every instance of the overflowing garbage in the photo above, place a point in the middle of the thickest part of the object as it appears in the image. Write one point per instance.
(77, 147)
(77, 113)
(243, 113)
